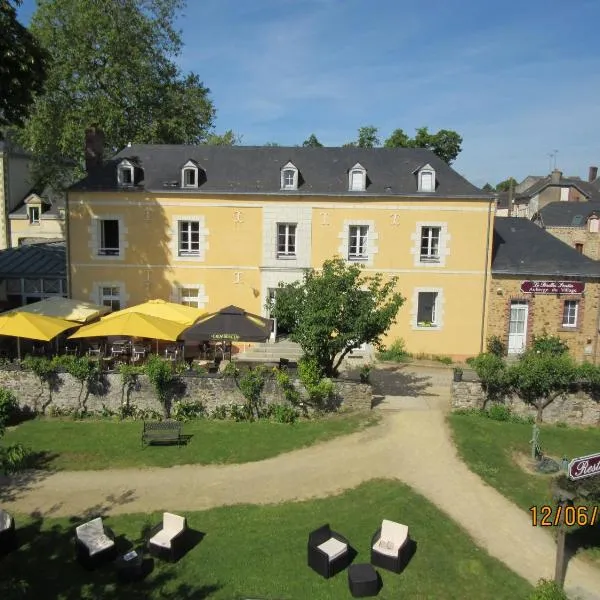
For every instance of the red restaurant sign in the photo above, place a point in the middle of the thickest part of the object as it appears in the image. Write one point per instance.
(552, 287)
(584, 466)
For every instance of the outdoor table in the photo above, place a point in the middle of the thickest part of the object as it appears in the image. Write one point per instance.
(129, 566)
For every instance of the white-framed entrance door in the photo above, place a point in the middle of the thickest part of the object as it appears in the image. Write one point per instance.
(517, 326)
(271, 296)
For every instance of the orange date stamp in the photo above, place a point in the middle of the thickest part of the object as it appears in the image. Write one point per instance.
(553, 516)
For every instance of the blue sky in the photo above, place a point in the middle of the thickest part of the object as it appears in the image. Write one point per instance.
(518, 80)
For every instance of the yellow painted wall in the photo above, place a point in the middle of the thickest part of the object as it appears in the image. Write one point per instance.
(21, 228)
(230, 270)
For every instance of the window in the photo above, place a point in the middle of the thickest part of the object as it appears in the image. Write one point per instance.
(579, 248)
(125, 173)
(109, 237)
(594, 224)
(564, 194)
(289, 177)
(427, 309)
(189, 238)
(426, 179)
(357, 179)
(430, 244)
(357, 242)
(110, 296)
(34, 215)
(189, 177)
(189, 297)
(570, 310)
(286, 240)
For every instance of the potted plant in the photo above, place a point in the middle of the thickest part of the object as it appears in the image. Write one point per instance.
(365, 371)
(458, 373)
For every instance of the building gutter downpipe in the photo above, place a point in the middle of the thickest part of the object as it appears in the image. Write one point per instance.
(487, 269)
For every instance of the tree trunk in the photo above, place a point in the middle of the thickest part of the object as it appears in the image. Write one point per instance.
(540, 411)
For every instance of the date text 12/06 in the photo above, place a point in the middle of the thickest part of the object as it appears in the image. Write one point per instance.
(549, 516)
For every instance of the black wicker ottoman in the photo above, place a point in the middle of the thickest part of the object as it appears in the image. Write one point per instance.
(363, 580)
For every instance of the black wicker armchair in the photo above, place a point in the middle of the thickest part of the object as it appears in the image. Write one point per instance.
(8, 535)
(94, 544)
(390, 546)
(328, 551)
(167, 540)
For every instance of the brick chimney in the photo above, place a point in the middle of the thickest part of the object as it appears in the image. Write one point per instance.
(94, 147)
(555, 176)
(593, 174)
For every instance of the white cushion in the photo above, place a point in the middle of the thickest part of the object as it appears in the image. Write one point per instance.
(5, 520)
(333, 548)
(93, 536)
(394, 532)
(173, 523)
(162, 538)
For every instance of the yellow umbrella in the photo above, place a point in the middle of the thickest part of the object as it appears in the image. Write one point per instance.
(31, 326)
(163, 310)
(132, 324)
(65, 308)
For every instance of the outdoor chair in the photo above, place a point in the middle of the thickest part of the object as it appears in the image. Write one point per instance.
(138, 353)
(328, 551)
(171, 352)
(8, 535)
(94, 544)
(390, 546)
(167, 539)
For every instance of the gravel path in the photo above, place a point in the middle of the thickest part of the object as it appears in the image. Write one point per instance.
(411, 444)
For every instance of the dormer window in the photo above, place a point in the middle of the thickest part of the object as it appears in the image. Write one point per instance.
(289, 177)
(593, 224)
(125, 173)
(426, 179)
(189, 175)
(357, 178)
(33, 212)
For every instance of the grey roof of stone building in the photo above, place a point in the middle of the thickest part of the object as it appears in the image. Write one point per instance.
(256, 170)
(46, 260)
(585, 187)
(567, 214)
(522, 248)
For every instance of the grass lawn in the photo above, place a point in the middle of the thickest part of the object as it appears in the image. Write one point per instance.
(488, 447)
(260, 552)
(66, 444)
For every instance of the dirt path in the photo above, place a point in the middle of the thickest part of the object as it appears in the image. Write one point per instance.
(412, 445)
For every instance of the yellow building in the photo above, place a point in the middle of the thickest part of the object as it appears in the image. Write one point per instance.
(212, 226)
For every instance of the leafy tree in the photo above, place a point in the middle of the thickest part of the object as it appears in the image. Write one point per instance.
(367, 137)
(505, 185)
(112, 64)
(312, 142)
(22, 68)
(335, 310)
(272, 144)
(488, 187)
(13, 457)
(445, 143)
(229, 138)
(398, 139)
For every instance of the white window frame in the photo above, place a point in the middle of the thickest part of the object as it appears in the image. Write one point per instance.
(564, 194)
(434, 321)
(289, 185)
(439, 309)
(570, 313)
(426, 170)
(107, 299)
(430, 257)
(178, 295)
(289, 231)
(125, 167)
(443, 245)
(188, 224)
(359, 170)
(187, 299)
(103, 250)
(360, 233)
(594, 224)
(30, 211)
(189, 167)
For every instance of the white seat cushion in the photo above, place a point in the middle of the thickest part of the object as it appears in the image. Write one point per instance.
(385, 547)
(333, 548)
(162, 538)
(5, 520)
(174, 524)
(393, 537)
(98, 543)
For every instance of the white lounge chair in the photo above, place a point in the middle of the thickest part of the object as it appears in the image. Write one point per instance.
(94, 543)
(390, 546)
(167, 539)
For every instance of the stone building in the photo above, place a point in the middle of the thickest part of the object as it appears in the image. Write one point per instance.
(540, 284)
(575, 223)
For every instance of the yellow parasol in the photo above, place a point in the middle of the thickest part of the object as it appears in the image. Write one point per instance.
(162, 309)
(32, 326)
(64, 308)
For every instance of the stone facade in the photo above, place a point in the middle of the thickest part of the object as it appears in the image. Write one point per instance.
(590, 240)
(575, 409)
(211, 391)
(546, 314)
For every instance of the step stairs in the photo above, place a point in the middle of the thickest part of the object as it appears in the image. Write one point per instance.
(270, 352)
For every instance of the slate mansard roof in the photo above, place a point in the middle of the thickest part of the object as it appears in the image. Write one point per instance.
(36, 260)
(567, 214)
(257, 170)
(522, 248)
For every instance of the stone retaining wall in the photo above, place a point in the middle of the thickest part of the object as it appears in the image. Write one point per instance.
(576, 409)
(212, 391)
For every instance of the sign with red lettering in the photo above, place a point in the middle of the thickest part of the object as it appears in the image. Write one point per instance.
(552, 287)
(584, 466)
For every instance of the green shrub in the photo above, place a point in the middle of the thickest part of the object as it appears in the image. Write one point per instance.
(160, 373)
(548, 590)
(496, 346)
(14, 458)
(549, 344)
(240, 412)
(185, 410)
(320, 390)
(282, 413)
(9, 409)
(251, 385)
(446, 360)
(491, 370)
(292, 395)
(396, 352)
(230, 370)
(365, 373)
(499, 412)
(220, 412)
